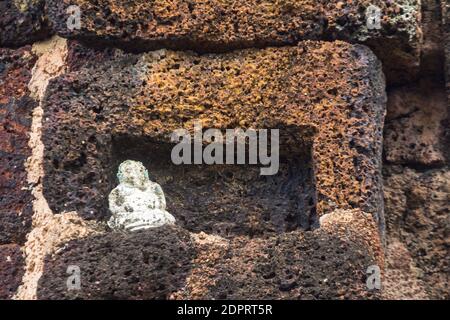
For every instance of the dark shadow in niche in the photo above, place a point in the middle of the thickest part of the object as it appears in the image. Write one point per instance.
(230, 200)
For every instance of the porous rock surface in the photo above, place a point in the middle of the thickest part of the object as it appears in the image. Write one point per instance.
(217, 26)
(16, 107)
(446, 37)
(250, 237)
(416, 179)
(330, 262)
(416, 125)
(11, 269)
(146, 97)
(80, 56)
(22, 22)
(417, 211)
(137, 203)
(147, 264)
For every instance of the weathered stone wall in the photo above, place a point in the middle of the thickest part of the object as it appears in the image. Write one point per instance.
(249, 89)
(416, 171)
(73, 106)
(22, 22)
(218, 26)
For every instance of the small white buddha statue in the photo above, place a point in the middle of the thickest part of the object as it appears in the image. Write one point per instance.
(137, 203)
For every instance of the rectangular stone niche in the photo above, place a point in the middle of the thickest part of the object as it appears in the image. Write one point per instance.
(335, 88)
(229, 200)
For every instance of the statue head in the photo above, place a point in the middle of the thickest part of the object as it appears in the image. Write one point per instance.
(133, 173)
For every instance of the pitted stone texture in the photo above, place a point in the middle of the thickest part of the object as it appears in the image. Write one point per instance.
(328, 263)
(446, 32)
(292, 266)
(432, 62)
(217, 25)
(416, 125)
(230, 200)
(79, 56)
(332, 91)
(11, 269)
(166, 263)
(137, 203)
(417, 213)
(49, 231)
(417, 136)
(15, 122)
(147, 264)
(22, 22)
(402, 276)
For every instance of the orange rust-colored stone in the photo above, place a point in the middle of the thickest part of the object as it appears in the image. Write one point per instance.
(331, 91)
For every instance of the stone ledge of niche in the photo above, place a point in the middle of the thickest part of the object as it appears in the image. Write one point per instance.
(330, 96)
